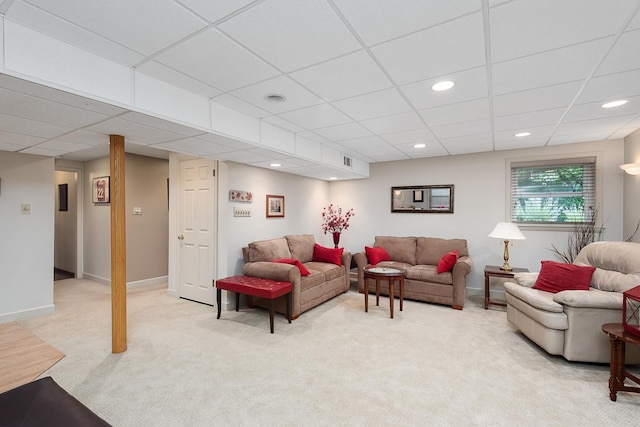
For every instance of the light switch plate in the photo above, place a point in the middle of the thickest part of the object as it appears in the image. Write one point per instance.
(244, 212)
(137, 211)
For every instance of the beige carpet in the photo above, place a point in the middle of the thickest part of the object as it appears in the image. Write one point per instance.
(23, 356)
(333, 366)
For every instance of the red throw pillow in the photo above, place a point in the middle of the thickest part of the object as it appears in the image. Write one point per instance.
(557, 276)
(447, 261)
(293, 261)
(322, 254)
(375, 255)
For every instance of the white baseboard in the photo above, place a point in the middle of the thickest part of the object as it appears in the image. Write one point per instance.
(26, 314)
(130, 285)
(98, 279)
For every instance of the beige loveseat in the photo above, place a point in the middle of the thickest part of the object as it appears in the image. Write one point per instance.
(418, 257)
(325, 281)
(569, 323)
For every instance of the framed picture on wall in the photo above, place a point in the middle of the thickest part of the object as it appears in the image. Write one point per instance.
(275, 206)
(100, 189)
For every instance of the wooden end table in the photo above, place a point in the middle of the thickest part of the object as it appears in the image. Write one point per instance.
(618, 338)
(391, 275)
(495, 271)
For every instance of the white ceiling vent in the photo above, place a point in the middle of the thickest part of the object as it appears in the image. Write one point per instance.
(347, 161)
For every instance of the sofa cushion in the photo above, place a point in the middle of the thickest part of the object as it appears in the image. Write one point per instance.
(525, 279)
(401, 249)
(330, 270)
(541, 300)
(314, 279)
(556, 276)
(617, 264)
(428, 273)
(268, 250)
(293, 261)
(301, 246)
(429, 250)
(447, 261)
(402, 266)
(375, 255)
(593, 298)
(322, 254)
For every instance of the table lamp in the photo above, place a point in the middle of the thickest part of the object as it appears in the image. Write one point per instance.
(506, 231)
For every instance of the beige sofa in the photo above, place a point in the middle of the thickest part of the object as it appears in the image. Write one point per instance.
(569, 323)
(325, 281)
(418, 257)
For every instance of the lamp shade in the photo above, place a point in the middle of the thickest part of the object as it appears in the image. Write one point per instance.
(631, 168)
(507, 231)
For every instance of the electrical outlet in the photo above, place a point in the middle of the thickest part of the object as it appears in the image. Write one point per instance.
(137, 211)
(244, 212)
(26, 208)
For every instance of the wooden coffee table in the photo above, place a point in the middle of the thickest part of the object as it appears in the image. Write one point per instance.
(618, 338)
(391, 275)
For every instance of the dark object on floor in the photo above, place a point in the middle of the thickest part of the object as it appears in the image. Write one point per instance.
(44, 403)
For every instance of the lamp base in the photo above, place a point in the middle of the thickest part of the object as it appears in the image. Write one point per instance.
(506, 267)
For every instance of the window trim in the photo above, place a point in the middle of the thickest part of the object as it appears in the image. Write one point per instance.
(552, 160)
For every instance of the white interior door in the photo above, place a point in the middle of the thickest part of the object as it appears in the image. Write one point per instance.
(197, 230)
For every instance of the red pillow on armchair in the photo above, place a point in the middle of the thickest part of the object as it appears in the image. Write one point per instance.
(557, 276)
(447, 261)
(322, 254)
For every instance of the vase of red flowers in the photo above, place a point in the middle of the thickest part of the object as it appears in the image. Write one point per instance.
(335, 220)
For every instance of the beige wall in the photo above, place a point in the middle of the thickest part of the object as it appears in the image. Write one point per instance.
(631, 187)
(66, 223)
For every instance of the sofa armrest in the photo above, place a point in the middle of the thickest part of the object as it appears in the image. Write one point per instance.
(461, 269)
(360, 258)
(273, 271)
(525, 279)
(593, 298)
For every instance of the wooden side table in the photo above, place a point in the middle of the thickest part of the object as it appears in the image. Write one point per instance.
(494, 271)
(392, 275)
(618, 338)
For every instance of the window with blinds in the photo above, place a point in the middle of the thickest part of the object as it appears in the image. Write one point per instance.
(557, 192)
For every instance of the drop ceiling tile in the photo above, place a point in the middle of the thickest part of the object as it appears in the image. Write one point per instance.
(440, 53)
(18, 140)
(130, 130)
(623, 133)
(432, 149)
(462, 129)
(38, 151)
(245, 156)
(468, 144)
(360, 144)
(524, 28)
(85, 137)
(144, 28)
(4, 146)
(572, 138)
(394, 124)
(61, 29)
(67, 147)
(225, 141)
(32, 127)
(199, 58)
(454, 113)
(318, 116)
(635, 22)
(176, 78)
(544, 98)
(594, 110)
(376, 22)
(313, 136)
(385, 154)
(514, 145)
(194, 146)
(549, 68)
(624, 55)
(372, 105)
(611, 87)
(213, 11)
(412, 136)
(342, 132)
(470, 85)
(296, 96)
(592, 126)
(344, 77)
(524, 121)
(292, 35)
(155, 122)
(539, 136)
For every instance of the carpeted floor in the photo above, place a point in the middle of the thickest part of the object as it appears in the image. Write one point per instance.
(23, 356)
(334, 365)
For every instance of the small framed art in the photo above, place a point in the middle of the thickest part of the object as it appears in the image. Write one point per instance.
(100, 189)
(275, 206)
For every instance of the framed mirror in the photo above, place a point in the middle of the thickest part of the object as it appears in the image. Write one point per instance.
(422, 199)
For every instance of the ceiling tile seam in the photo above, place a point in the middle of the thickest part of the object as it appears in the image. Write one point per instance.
(593, 71)
(5, 6)
(224, 18)
(486, 25)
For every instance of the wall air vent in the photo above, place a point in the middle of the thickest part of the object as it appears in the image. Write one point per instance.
(347, 161)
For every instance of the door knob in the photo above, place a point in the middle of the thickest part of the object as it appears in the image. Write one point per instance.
(181, 237)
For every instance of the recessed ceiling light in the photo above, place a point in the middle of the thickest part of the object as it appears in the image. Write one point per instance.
(274, 97)
(614, 104)
(419, 145)
(443, 85)
(333, 178)
(275, 165)
(521, 134)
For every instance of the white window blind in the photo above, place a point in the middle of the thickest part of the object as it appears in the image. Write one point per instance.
(553, 192)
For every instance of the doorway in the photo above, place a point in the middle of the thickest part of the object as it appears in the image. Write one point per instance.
(65, 258)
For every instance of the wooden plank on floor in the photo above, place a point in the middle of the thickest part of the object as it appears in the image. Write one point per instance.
(23, 356)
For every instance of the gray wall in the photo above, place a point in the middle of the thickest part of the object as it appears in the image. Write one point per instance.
(632, 188)
(66, 223)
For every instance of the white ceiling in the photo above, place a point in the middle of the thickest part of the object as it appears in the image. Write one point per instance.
(357, 74)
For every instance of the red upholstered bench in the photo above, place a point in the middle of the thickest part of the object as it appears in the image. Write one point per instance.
(257, 287)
